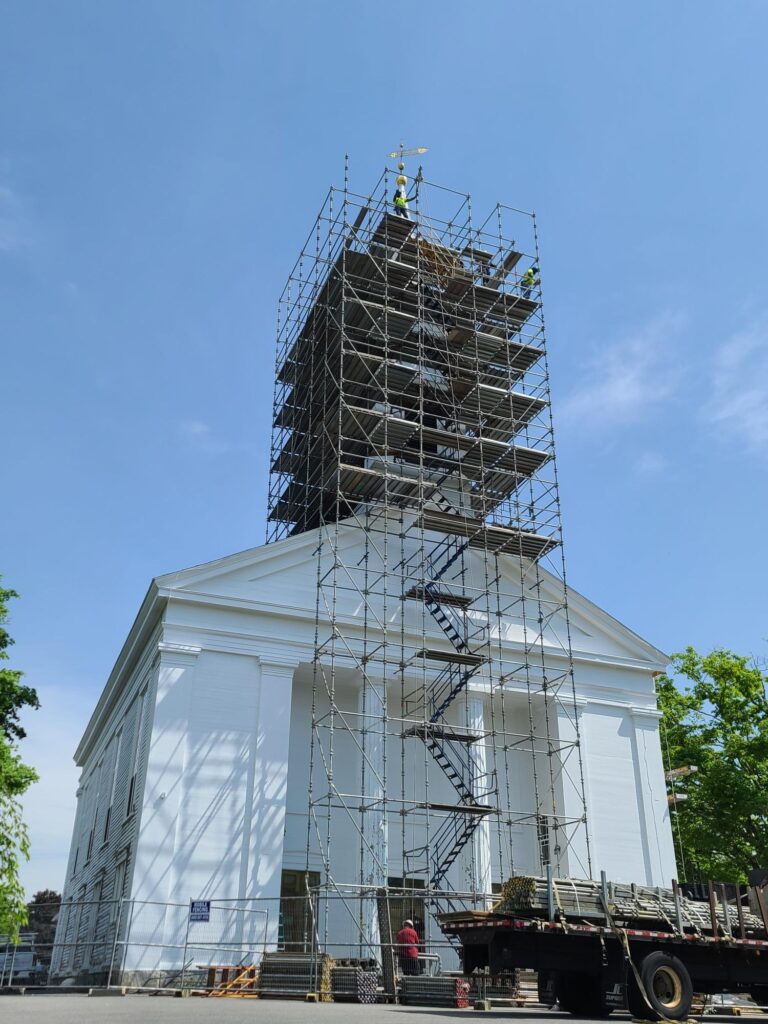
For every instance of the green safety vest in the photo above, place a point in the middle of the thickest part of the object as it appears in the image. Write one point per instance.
(400, 201)
(529, 278)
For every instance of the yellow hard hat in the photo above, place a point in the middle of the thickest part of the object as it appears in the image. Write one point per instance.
(401, 179)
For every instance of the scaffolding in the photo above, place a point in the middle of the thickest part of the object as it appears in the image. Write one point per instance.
(412, 433)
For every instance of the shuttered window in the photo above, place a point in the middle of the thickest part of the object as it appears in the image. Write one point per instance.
(117, 743)
(131, 803)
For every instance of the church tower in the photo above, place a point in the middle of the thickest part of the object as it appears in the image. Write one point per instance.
(412, 431)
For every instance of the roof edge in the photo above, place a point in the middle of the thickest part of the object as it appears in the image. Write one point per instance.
(147, 617)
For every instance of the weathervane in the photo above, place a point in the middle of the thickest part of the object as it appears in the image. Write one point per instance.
(400, 154)
(401, 199)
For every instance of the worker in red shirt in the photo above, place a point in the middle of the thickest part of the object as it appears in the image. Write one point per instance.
(407, 940)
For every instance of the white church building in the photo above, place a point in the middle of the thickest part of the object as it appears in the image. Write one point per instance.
(195, 761)
(397, 693)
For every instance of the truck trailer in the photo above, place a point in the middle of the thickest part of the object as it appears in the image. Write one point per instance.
(599, 947)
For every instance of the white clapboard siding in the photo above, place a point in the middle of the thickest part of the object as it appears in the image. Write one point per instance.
(94, 878)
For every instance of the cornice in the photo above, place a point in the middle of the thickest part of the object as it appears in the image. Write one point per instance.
(306, 615)
(180, 654)
(646, 712)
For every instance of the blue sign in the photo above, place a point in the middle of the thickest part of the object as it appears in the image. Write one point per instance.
(200, 910)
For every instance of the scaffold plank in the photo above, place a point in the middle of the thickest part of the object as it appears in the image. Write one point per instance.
(513, 307)
(430, 805)
(393, 230)
(466, 339)
(396, 273)
(496, 538)
(444, 732)
(455, 657)
(440, 595)
(507, 265)
(389, 322)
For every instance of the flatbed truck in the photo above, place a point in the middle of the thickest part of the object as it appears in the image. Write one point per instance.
(591, 969)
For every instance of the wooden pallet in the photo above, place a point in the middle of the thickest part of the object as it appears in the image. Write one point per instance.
(230, 981)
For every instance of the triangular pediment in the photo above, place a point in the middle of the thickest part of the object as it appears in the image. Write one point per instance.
(285, 574)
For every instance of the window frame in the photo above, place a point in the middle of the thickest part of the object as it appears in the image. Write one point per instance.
(118, 741)
(121, 871)
(134, 770)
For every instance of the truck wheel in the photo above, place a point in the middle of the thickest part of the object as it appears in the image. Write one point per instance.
(667, 985)
(581, 995)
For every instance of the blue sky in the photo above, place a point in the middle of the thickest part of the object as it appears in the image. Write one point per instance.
(160, 165)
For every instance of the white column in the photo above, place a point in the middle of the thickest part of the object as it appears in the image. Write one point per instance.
(652, 805)
(371, 707)
(268, 784)
(163, 789)
(160, 816)
(572, 789)
(480, 847)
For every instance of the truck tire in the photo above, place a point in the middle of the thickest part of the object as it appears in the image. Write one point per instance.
(667, 985)
(580, 995)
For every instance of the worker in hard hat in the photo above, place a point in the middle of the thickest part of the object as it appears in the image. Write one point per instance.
(407, 940)
(529, 281)
(401, 198)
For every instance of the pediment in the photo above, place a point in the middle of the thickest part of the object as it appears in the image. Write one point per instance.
(285, 574)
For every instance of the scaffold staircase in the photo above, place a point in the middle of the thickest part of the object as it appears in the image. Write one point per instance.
(450, 746)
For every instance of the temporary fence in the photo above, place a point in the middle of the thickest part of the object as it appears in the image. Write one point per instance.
(181, 945)
(63, 940)
(230, 946)
(141, 943)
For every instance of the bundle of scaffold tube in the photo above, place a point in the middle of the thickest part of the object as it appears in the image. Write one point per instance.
(578, 899)
(296, 974)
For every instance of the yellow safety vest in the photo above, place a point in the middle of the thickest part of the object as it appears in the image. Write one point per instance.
(400, 201)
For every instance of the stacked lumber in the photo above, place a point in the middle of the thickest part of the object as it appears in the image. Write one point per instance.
(640, 906)
(285, 975)
(422, 990)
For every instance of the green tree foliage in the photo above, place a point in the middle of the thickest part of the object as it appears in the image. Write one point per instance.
(715, 716)
(15, 778)
(13, 694)
(43, 910)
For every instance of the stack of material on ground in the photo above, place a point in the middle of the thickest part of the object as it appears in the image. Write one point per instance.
(296, 974)
(421, 990)
(354, 983)
(500, 988)
(630, 905)
(528, 988)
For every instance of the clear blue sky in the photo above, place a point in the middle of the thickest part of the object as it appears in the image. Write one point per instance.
(161, 163)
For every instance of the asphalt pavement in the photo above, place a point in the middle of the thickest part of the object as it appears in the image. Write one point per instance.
(40, 1008)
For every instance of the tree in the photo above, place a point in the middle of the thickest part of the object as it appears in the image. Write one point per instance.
(13, 695)
(15, 778)
(43, 913)
(715, 716)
